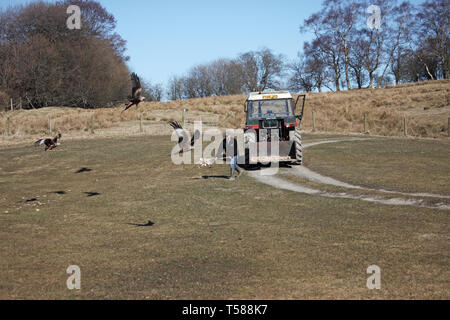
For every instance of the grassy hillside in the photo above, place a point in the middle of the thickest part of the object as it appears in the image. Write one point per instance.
(425, 104)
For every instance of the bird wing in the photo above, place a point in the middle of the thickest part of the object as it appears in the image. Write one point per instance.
(137, 94)
(49, 142)
(175, 125)
(40, 142)
(183, 137)
(136, 84)
(195, 137)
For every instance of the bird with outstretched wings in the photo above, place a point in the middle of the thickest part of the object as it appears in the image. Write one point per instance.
(49, 143)
(185, 142)
(136, 92)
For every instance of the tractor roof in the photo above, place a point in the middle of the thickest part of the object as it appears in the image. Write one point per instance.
(269, 95)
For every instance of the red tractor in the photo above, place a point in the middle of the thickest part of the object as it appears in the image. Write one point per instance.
(272, 130)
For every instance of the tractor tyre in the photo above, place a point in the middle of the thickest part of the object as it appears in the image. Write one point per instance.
(298, 146)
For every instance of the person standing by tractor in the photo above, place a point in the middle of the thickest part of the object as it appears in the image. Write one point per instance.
(229, 145)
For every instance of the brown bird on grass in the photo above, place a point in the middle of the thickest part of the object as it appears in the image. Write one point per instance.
(136, 92)
(49, 143)
(184, 142)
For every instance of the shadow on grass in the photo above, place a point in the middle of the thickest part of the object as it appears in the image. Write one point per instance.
(259, 166)
(59, 192)
(148, 224)
(214, 177)
(83, 170)
(92, 194)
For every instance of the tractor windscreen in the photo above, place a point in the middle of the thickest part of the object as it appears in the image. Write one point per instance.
(270, 108)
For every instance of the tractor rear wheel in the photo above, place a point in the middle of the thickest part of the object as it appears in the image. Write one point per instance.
(298, 146)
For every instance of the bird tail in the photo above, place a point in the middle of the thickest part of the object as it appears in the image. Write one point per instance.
(126, 108)
(38, 143)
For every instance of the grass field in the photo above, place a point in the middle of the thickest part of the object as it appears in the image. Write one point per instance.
(396, 164)
(84, 203)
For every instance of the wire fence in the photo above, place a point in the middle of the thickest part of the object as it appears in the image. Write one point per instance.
(188, 118)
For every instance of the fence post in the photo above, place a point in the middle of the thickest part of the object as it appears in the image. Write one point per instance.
(140, 123)
(405, 129)
(448, 127)
(9, 126)
(225, 119)
(184, 118)
(20, 103)
(365, 122)
(49, 124)
(91, 124)
(314, 120)
(12, 105)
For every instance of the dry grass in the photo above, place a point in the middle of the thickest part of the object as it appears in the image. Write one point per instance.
(211, 239)
(426, 105)
(388, 165)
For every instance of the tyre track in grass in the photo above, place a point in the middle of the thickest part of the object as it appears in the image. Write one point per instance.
(313, 176)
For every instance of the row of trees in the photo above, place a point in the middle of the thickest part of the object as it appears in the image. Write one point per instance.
(251, 71)
(347, 52)
(45, 63)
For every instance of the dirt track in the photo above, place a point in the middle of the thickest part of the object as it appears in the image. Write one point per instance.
(310, 175)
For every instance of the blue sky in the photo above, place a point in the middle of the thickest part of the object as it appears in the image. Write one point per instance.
(175, 35)
(168, 37)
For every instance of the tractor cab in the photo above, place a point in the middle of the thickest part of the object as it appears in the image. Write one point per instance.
(270, 111)
(270, 116)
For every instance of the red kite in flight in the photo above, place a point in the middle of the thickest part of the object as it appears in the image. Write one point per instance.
(136, 92)
(49, 143)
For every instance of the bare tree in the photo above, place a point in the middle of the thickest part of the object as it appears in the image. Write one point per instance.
(249, 67)
(301, 79)
(434, 29)
(309, 72)
(261, 70)
(399, 23)
(270, 67)
(175, 88)
(316, 66)
(333, 28)
(251, 71)
(152, 92)
(326, 42)
(339, 20)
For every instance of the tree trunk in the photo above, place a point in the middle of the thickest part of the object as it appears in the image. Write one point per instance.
(426, 66)
(370, 80)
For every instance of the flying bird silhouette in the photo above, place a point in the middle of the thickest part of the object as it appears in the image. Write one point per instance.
(184, 142)
(49, 143)
(136, 92)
